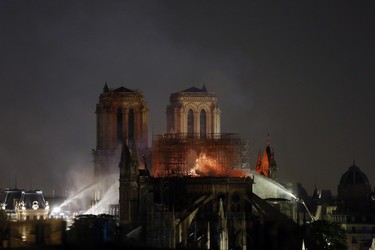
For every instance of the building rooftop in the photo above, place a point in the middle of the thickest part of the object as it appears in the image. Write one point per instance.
(122, 89)
(354, 176)
(195, 89)
(13, 196)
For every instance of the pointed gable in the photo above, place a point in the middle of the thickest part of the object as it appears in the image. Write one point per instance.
(192, 89)
(105, 89)
(123, 89)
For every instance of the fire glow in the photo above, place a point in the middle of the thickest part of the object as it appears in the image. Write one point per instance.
(208, 166)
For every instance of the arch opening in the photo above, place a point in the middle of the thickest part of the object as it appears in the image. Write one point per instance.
(190, 123)
(131, 127)
(120, 132)
(202, 123)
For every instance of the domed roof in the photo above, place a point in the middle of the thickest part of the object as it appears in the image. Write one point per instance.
(354, 176)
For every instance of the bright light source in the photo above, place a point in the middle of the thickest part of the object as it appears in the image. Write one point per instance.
(56, 210)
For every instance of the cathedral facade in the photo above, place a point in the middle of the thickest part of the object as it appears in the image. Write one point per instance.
(196, 190)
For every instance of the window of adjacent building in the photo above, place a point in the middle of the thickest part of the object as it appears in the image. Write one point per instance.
(202, 121)
(119, 126)
(190, 123)
(353, 229)
(131, 127)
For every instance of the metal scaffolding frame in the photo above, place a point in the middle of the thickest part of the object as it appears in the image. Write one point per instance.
(171, 153)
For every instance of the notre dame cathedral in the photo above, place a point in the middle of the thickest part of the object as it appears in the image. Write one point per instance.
(191, 187)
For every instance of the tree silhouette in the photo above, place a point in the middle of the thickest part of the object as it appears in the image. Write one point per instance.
(323, 234)
(93, 230)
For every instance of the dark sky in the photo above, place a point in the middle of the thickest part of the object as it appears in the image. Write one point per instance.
(302, 71)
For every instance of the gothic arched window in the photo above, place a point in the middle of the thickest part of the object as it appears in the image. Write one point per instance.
(120, 128)
(131, 127)
(202, 123)
(190, 123)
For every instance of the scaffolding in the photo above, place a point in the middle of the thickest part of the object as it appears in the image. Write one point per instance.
(175, 154)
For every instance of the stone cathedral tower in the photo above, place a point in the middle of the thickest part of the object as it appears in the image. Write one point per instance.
(121, 114)
(193, 112)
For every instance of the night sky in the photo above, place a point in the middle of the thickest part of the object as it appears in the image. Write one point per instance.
(302, 71)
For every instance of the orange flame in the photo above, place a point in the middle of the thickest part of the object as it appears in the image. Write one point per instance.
(208, 166)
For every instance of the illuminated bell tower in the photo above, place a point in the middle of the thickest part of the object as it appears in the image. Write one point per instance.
(120, 113)
(194, 112)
